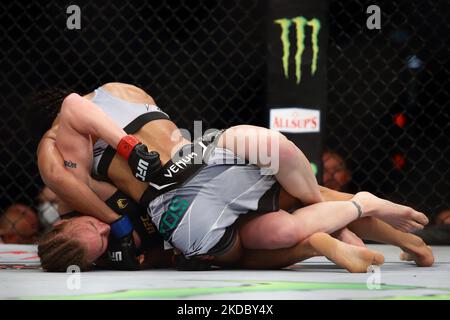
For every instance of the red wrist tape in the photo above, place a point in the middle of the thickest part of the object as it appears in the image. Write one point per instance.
(126, 145)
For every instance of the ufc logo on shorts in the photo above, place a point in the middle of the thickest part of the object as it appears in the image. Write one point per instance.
(116, 256)
(142, 169)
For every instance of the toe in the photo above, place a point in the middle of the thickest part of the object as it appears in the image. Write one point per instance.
(378, 258)
(404, 256)
(420, 218)
(417, 226)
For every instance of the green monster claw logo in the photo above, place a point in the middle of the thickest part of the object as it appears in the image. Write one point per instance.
(300, 23)
(170, 218)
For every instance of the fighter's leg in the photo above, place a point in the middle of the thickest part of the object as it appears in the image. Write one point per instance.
(352, 258)
(278, 258)
(288, 202)
(282, 230)
(270, 149)
(370, 228)
(399, 216)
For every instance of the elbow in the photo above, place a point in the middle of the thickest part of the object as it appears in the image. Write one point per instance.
(72, 98)
(69, 105)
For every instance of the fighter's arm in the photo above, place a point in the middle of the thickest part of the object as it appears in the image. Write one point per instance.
(86, 118)
(70, 189)
(70, 141)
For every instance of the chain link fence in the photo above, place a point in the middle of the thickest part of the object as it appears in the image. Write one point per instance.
(388, 89)
(388, 99)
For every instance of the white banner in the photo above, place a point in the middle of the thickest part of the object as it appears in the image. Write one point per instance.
(295, 120)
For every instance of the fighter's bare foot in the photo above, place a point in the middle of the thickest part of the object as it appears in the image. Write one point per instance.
(354, 259)
(401, 217)
(417, 251)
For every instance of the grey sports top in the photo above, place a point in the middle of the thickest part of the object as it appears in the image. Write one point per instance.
(128, 115)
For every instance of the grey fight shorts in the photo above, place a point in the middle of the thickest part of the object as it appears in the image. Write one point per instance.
(198, 217)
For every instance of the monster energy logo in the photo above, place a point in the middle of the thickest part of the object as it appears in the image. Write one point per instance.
(300, 23)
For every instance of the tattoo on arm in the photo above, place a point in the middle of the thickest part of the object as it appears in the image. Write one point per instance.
(70, 164)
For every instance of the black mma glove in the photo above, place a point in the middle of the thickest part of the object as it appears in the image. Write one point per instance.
(142, 163)
(121, 248)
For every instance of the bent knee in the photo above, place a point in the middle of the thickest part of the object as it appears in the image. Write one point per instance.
(283, 235)
(287, 151)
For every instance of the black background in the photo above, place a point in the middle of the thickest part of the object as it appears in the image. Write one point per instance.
(207, 60)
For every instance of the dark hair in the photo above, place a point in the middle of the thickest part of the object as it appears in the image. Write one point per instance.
(41, 110)
(57, 251)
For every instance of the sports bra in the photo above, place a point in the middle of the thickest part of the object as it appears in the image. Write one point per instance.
(128, 115)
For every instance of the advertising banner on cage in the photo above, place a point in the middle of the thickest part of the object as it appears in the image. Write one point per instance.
(296, 82)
